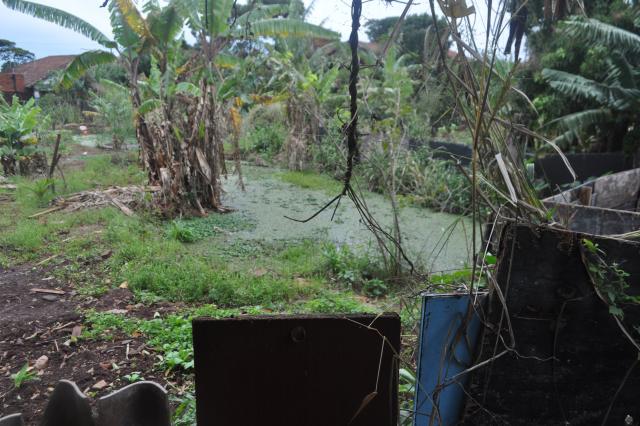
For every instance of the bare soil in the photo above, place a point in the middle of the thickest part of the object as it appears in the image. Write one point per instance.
(33, 324)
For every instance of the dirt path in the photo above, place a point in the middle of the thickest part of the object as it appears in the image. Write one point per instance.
(33, 324)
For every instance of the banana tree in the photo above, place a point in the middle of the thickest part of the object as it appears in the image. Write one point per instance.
(18, 140)
(610, 106)
(179, 131)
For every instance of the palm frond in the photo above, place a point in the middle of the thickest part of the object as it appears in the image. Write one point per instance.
(290, 28)
(594, 31)
(217, 14)
(188, 88)
(262, 11)
(225, 60)
(165, 24)
(109, 84)
(188, 9)
(582, 120)
(133, 18)
(60, 17)
(626, 76)
(149, 105)
(81, 64)
(574, 85)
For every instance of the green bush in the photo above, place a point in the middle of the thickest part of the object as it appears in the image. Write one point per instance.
(266, 139)
(420, 179)
(60, 110)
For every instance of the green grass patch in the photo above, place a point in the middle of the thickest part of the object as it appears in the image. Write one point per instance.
(194, 229)
(311, 180)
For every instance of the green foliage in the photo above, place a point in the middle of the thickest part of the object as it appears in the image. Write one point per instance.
(584, 82)
(311, 180)
(411, 38)
(40, 189)
(114, 111)
(334, 303)
(609, 279)
(375, 288)
(267, 139)
(178, 231)
(18, 140)
(421, 179)
(59, 109)
(185, 412)
(11, 55)
(349, 268)
(134, 376)
(198, 228)
(170, 336)
(23, 376)
(406, 394)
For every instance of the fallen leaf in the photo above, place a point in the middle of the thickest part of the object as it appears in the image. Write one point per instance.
(105, 365)
(100, 385)
(41, 363)
(125, 284)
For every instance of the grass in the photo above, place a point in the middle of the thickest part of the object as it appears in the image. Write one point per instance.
(311, 180)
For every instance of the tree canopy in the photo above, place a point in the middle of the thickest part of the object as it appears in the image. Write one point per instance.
(11, 55)
(411, 38)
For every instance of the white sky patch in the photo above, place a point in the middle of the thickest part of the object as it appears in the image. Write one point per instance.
(45, 39)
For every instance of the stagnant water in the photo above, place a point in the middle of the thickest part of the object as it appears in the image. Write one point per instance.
(438, 241)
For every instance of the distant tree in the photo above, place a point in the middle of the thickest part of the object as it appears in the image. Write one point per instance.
(11, 55)
(411, 39)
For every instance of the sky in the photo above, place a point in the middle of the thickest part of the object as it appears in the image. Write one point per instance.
(43, 38)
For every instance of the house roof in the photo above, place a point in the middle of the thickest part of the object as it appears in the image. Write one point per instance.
(40, 69)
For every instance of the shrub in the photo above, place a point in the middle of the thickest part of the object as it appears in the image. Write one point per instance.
(267, 139)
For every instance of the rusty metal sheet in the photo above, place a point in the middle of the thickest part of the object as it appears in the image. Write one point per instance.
(297, 370)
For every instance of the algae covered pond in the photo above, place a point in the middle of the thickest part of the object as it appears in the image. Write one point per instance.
(437, 241)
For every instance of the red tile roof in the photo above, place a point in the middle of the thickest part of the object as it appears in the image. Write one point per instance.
(40, 69)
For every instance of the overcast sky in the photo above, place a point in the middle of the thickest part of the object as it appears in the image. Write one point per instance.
(43, 38)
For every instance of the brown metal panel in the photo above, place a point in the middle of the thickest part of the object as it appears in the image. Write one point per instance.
(297, 370)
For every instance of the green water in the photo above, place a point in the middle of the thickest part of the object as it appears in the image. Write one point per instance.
(437, 241)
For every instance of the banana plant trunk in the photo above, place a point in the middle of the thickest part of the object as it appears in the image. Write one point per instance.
(184, 157)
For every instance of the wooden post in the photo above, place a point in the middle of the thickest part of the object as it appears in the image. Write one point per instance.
(54, 161)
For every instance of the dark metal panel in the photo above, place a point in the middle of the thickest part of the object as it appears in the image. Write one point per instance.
(297, 370)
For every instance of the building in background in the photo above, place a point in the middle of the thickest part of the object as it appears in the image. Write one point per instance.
(31, 79)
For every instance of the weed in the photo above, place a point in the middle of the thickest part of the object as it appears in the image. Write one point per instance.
(180, 232)
(609, 279)
(169, 336)
(406, 392)
(335, 303)
(40, 189)
(133, 377)
(375, 288)
(23, 376)
(185, 413)
(266, 139)
(350, 268)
